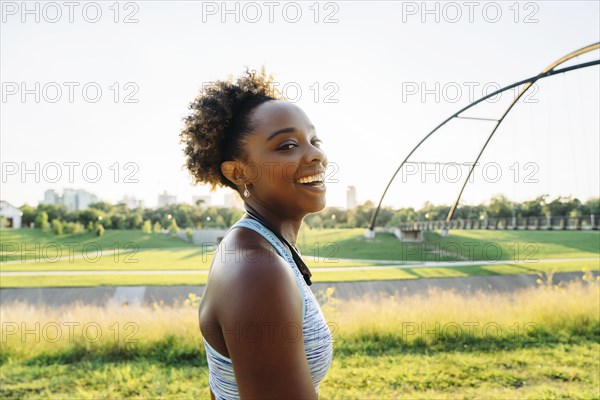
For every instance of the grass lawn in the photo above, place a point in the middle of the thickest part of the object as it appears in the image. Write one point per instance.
(165, 259)
(318, 276)
(555, 371)
(332, 248)
(523, 245)
(544, 343)
(112, 238)
(330, 244)
(467, 245)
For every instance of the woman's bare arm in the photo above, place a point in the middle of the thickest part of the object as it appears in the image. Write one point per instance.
(261, 323)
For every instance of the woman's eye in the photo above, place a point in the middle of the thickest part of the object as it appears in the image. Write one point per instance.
(287, 146)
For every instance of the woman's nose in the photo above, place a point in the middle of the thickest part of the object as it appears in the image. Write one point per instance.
(316, 154)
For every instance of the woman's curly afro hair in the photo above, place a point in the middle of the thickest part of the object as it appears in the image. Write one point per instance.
(219, 121)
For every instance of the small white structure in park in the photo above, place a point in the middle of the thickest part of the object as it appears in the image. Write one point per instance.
(204, 236)
(409, 235)
(369, 234)
(10, 216)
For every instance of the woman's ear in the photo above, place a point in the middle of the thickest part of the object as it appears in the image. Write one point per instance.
(233, 171)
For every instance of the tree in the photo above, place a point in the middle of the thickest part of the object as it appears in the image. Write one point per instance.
(561, 206)
(330, 221)
(166, 220)
(183, 214)
(315, 222)
(90, 215)
(41, 221)
(173, 228)
(135, 221)
(533, 208)
(383, 217)
(220, 222)
(54, 211)
(200, 203)
(209, 217)
(156, 228)
(57, 226)
(592, 206)
(337, 215)
(230, 215)
(28, 215)
(465, 212)
(103, 206)
(500, 207)
(402, 215)
(119, 221)
(147, 227)
(360, 216)
(73, 227)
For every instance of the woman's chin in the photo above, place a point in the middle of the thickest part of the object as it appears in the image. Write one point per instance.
(316, 207)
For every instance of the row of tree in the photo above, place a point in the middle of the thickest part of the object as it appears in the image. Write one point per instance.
(103, 215)
(121, 217)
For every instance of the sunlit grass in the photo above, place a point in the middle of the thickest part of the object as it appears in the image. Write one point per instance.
(25, 240)
(321, 248)
(521, 245)
(572, 306)
(351, 275)
(536, 343)
(331, 245)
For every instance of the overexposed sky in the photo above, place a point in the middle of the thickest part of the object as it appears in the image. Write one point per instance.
(93, 93)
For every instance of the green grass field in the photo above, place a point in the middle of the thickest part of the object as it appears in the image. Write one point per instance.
(460, 244)
(318, 276)
(325, 248)
(537, 343)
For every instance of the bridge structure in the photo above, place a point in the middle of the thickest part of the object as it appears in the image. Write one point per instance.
(551, 70)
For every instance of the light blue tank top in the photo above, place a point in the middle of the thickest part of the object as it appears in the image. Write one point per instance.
(317, 337)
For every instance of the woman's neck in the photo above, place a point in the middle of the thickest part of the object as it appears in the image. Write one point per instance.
(285, 226)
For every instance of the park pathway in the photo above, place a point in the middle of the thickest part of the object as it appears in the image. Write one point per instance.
(103, 295)
(404, 265)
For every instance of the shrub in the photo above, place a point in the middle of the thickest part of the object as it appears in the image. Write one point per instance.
(147, 227)
(57, 227)
(42, 221)
(173, 228)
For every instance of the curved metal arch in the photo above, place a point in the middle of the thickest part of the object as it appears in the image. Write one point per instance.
(547, 72)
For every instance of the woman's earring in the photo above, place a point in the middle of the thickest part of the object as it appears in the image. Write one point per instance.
(246, 192)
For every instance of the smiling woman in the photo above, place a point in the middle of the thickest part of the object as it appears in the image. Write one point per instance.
(264, 332)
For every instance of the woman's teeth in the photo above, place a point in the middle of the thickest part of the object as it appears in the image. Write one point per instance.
(317, 179)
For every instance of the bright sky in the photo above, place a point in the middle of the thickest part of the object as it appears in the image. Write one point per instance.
(373, 77)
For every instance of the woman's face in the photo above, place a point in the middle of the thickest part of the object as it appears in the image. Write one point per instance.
(283, 148)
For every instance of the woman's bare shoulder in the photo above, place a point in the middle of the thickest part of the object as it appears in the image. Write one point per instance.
(247, 268)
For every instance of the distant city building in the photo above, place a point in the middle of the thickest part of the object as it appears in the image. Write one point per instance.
(69, 199)
(351, 197)
(75, 200)
(233, 200)
(132, 202)
(166, 199)
(84, 199)
(51, 197)
(10, 216)
(206, 201)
